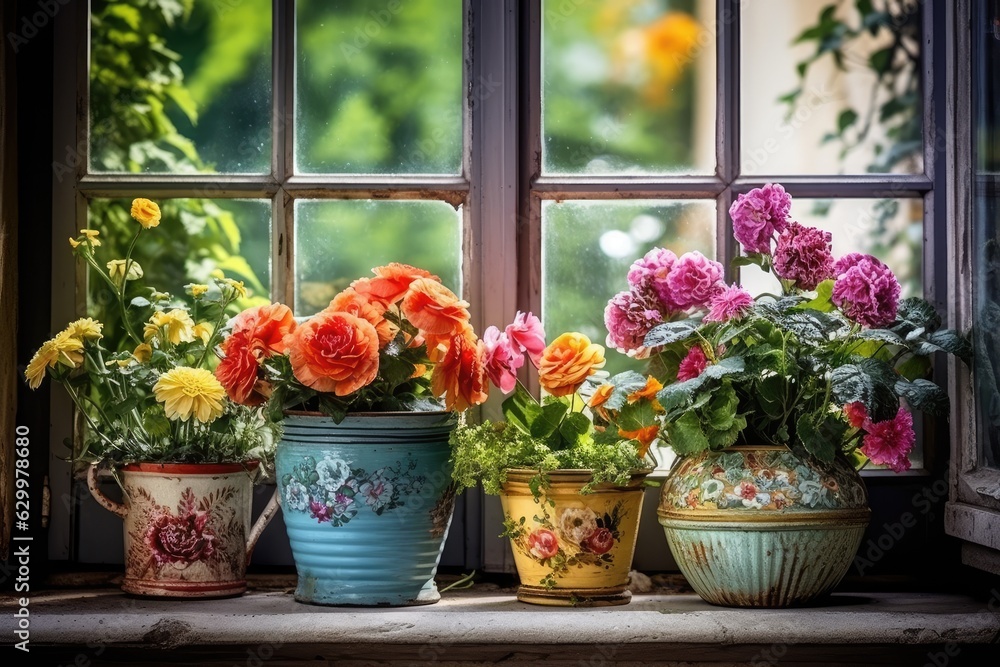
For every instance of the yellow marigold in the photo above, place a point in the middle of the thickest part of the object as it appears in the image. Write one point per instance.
(142, 352)
(116, 271)
(197, 289)
(175, 326)
(190, 392)
(85, 329)
(87, 236)
(203, 331)
(146, 212)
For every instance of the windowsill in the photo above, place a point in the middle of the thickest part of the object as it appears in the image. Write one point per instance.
(486, 624)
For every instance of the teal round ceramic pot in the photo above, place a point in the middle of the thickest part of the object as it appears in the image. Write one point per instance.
(367, 504)
(754, 526)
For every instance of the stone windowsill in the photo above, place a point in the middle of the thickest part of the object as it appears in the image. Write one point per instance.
(486, 624)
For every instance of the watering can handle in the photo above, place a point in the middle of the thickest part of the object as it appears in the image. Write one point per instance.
(95, 490)
(265, 518)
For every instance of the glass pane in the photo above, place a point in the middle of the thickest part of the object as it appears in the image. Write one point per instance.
(379, 87)
(194, 238)
(628, 86)
(831, 88)
(588, 247)
(986, 282)
(890, 229)
(339, 241)
(180, 91)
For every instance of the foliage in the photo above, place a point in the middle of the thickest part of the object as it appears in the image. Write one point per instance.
(127, 394)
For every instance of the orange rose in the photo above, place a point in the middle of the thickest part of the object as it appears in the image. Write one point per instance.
(567, 361)
(460, 376)
(334, 352)
(645, 436)
(390, 282)
(434, 309)
(351, 301)
(257, 333)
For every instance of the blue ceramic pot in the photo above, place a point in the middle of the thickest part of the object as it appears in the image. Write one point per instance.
(367, 504)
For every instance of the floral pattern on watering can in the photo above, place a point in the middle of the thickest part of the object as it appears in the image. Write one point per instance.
(769, 480)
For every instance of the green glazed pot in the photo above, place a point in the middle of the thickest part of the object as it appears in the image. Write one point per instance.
(754, 526)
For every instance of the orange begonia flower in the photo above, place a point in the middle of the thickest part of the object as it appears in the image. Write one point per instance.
(567, 361)
(334, 352)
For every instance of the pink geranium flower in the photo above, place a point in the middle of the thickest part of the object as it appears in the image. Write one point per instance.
(758, 215)
(648, 276)
(527, 335)
(889, 442)
(804, 255)
(628, 318)
(692, 365)
(729, 303)
(501, 358)
(866, 290)
(693, 280)
(856, 414)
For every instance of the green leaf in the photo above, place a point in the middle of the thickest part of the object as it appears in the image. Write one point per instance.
(945, 340)
(824, 440)
(721, 412)
(671, 332)
(624, 384)
(575, 428)
(915, 313)
(752, 259)
(521, 409)
(914, 367)
(883, 335)
(864, 7)
(822, 302)
(685, 435)
(868, 381)
(846, 118)
(546, 422)
(394, 370)
(881, 60)
(771, 395)
(924, 395)
(139, 302)
(728, 366)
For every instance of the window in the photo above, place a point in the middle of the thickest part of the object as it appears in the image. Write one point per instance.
(526, 152)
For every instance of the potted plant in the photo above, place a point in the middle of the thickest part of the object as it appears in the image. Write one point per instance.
(773, 403)
(368, 391)
(569, 469)
(185, 456)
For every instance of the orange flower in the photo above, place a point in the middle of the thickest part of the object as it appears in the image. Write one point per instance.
(601, 396)
(653, 386)
(567, 362)
(257, 333)
(334, 352)
(390, 282)
(355, 303)
(434, 309)
(645, 436)
(460, 376)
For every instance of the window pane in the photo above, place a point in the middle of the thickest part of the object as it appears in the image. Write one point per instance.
(829, 89)
(379, 87)
(890, 229)
(194, 238)
(180, 92)
(628, 86)
(986, 285)
(588, 247)
(339, 241)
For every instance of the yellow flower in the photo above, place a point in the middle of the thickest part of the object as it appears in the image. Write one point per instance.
(116, 271)
(197, 289)
(175, 326)
(203, 331)
(87, 236)
(147, 213)
(142, 352)
(69, 349)
(237, 286)
(85, 329)
(63, 349)
(190, 392)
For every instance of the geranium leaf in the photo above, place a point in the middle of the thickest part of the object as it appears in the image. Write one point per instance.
(671, 332)
(685, 434)
(924, 395)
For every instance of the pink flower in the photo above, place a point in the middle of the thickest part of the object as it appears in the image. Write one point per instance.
(543, 543)
(804, 255)
(628, 318)
(856, 414)
(648, 276)
(180, 539)
(501, 359)
(730, 303)
(866, 290)
(889, 442)
(527, 335)
(747, 490)
(758, 214)
(693, 280)
(600, 541)
(320, 511)
(692, 365)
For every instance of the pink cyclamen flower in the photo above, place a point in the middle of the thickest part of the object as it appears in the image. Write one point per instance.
(730, 303)
(856, 414)
(648, 276)
(804, 255)
(501, 359)
(628, 318)
(889, 442)
(527, 335)
(693, 280)
(693, 364)
(758, 215)
(866, 290)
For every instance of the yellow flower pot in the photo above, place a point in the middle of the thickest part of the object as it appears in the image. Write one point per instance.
(572, 549)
